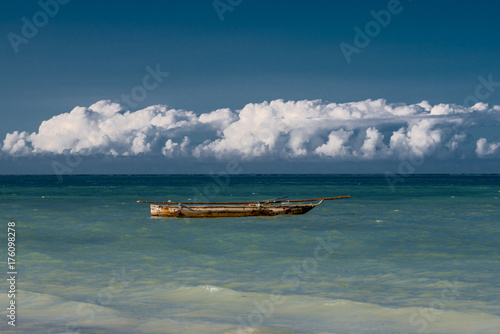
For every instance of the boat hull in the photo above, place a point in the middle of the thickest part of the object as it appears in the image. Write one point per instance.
(192, 211)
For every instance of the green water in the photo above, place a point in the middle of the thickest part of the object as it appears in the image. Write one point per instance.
(422, 256)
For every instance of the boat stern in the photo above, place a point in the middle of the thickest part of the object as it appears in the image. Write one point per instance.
(164, 211)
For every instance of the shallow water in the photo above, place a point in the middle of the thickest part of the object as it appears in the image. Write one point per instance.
(422, 256)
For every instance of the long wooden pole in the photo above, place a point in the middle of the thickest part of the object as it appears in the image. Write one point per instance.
(315, 199)
(268, 201)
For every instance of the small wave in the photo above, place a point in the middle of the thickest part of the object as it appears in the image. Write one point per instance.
(171, 308)
(212, 288)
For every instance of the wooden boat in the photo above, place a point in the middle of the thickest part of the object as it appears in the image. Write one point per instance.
(235, 209)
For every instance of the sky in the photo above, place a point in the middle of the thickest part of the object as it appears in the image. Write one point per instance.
(400, 87)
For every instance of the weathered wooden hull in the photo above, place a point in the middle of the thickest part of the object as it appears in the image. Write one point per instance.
(270, 207)
(195, 211)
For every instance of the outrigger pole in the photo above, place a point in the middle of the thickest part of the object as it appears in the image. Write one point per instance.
(274, 200)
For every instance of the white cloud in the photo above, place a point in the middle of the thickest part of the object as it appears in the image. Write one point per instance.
(15, 144)
(480, 106)
(336, 144)
(104, 128)
(364, 130)
(173, 149)
(373, 145)
(221, 118)
(139, 144)
(418, 139)
(455, 141)
(485, 149)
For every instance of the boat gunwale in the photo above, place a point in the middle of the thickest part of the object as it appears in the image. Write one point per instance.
(253, 206)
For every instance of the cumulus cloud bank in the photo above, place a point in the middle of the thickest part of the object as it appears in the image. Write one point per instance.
(365, 130)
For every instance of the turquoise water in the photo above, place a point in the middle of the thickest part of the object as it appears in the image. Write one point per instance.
(420, 257)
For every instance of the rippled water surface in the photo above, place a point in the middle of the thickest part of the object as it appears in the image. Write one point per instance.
(422, 256)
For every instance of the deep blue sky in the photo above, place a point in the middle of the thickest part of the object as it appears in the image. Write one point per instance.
(262, 50)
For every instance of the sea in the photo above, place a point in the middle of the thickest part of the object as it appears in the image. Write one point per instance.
(404, 254)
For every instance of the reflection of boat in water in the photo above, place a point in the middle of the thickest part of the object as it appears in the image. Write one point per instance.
(235, 209)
